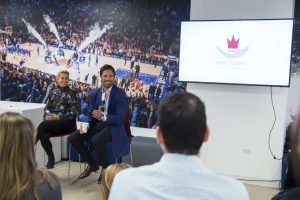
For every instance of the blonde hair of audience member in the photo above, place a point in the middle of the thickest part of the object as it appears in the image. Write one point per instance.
(295, 153)
(17, 162)
(108, 177)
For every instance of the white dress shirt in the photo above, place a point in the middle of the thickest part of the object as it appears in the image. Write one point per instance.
(175, 177)
(105, 97)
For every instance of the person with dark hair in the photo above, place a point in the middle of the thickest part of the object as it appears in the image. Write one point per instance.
(158, 92)
(94, 77)
(152, 90)
(132, 62)
(180, 174)
(291, 180)
(107, 108)
(294, 193)
(137, 70)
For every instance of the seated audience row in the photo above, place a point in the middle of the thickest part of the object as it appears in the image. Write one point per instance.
(180, 174)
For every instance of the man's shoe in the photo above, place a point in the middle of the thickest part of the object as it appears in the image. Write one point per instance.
(88, 170)
(50, 163)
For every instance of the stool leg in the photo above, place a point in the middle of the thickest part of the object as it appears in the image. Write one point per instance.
(44, 158)
(69, 168)
(131, 160)
(79, 163)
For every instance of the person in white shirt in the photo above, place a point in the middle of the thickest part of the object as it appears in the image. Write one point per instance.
(180, 174)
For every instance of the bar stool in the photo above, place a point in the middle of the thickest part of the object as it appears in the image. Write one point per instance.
(111, 160)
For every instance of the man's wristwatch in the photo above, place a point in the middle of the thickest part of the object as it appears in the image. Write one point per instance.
(102, 118)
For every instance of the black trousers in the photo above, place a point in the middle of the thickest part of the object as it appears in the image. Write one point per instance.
(99, 134)
(51, 128)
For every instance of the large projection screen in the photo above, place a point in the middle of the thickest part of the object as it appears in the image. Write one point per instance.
(250, 52)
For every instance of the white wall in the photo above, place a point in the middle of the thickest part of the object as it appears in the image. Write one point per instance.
(241, 9)
(293, 99)
(240, 117)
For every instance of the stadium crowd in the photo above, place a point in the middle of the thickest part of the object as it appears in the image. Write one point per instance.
(149, 37)
(23, 84)
(145, 36)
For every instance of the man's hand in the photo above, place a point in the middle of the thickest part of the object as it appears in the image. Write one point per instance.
(97, 114)
(81, 129)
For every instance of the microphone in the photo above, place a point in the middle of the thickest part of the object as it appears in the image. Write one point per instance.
(102, 103)
(102, 106)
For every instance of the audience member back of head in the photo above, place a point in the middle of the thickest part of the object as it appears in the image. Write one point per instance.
(180, 174)
(294, 194)
(108, 176)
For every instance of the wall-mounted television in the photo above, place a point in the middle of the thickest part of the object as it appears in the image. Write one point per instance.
(247, 52)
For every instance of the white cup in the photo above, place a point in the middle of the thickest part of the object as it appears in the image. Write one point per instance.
(82, 126)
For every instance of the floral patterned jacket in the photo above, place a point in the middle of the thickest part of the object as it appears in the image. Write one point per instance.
(62, 102)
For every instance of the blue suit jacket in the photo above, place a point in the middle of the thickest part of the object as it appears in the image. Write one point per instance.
(117, 107)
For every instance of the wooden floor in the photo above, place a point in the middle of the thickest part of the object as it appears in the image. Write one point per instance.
(89, 189)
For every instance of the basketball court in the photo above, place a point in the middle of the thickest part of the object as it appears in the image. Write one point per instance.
(45, 62)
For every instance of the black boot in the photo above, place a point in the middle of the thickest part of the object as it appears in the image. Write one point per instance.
(50, 163)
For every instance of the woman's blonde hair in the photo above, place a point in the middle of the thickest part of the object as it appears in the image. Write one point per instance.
(61, 72)
(108, 177)
(17, 163)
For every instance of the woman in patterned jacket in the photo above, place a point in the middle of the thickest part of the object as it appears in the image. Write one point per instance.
(60, 114)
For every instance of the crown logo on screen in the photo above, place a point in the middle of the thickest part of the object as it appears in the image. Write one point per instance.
(233, 44)
(233, 50)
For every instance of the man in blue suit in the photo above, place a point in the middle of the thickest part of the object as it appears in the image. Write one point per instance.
(107, 108)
